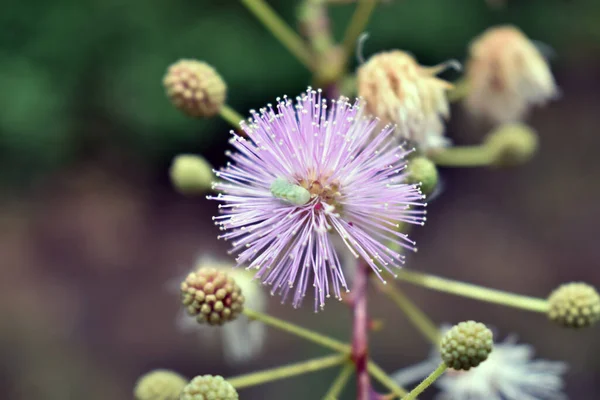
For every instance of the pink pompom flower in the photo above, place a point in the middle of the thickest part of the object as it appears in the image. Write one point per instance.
(307, 174)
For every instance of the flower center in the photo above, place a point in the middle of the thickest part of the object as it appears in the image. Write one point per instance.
(326, 192)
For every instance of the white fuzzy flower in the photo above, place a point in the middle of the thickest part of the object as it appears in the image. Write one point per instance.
(507, 76)
(509, 373)
(242, 339)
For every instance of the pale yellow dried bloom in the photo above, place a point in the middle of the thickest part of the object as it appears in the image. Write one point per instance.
(507, 75)
(400, 91)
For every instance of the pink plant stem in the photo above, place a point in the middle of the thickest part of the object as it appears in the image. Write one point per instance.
(360, 331)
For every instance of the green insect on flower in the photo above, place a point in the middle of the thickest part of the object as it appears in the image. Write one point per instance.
(295, 194)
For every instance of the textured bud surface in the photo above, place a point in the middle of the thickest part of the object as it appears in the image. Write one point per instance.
(159, 385)
(191, 174)
(512, 144)
(195, 88)
(208, 387)
(212, 296)
(422, 170)
(574, 305)
(466, 345)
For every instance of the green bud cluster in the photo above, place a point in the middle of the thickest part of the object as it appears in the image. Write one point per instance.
(159, 384)
(466, 345)
(574, 305)
(209, 387)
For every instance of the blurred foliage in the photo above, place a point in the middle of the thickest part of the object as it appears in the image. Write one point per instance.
(76, 75)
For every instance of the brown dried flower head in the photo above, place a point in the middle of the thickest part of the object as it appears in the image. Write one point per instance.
(507, 75)
(195, 88)
(400, 91)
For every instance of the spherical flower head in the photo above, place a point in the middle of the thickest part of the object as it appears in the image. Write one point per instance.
(191, 174)
(466, 345)
(212, 296)
(398, 90)
(209, 387)
(574, 305)
(195, 88)
(242, 339)
(423, 171)
(304, 174)
(510, 372)
(159, 385)
(507, 75)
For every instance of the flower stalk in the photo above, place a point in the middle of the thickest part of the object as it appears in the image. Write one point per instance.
(287, 371)
(463, 156)
(299, 331)
(474, 291)
(459, 91)
(383, 378)
(357, 25)
(426, 382)
(282, 32)
(418, 318)
(231, 116)
(340, 382)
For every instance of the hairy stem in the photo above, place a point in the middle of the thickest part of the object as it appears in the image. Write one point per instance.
(299, 331)
(474, 291)
(360, 328)
(418, 318)
(339, 383)
(286, 35)
(426, 383)
(287, 371)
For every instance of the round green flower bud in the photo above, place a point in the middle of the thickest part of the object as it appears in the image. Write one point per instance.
(209, 387)
(195, 88)
(466, 345)
(423, 171)
(512, 144)
(159, 384)
(191, 174)
(212, 296)
(574, 305)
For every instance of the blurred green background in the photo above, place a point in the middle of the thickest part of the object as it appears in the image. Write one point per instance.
(91, 231)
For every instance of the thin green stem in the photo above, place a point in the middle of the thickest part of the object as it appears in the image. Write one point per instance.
(474, 291)
(304, 333)
(287, 371)
(463, 156)
(460, 90)
(357, 25)
(426, 382)
(336, 388)
(232, 117)
(314, 20)
(383, 378)
(277, 26)
(418, 318)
